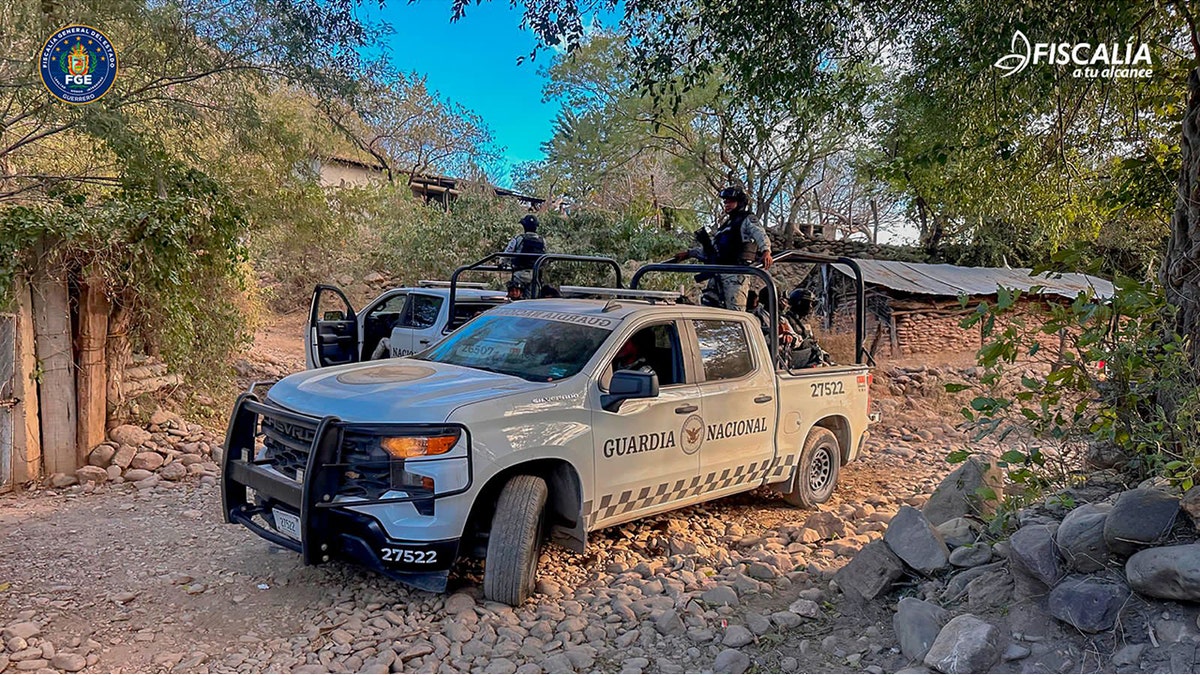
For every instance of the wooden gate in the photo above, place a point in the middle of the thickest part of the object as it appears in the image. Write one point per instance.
(8, 398)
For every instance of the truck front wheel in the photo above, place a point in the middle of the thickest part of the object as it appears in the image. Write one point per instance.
(515, 541)
(817, 472)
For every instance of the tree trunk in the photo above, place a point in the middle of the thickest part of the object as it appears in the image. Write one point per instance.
(93, 380)
(56, 391)
(1180, 274)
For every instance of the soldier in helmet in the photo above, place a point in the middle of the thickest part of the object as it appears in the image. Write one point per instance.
(739, 240)
(798, 338)
(529, 242)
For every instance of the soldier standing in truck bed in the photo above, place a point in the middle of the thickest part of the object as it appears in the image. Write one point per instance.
(739, 240)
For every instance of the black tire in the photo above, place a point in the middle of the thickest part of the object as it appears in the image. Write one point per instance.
(515, 542)
(816, 474)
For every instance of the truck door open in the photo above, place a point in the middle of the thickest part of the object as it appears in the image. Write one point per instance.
(332, 329)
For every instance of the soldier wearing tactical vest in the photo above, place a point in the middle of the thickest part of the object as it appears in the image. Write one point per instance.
(739, 240)
(528, 242)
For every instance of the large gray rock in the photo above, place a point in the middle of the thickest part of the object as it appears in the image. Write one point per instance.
(959, 532)
(966, 644)
(870, 572)
(1140, 518)
(971, 556)
(1169, 572)
(971, 489)
(1088, 603)
(1191, 505)
(915, 541)
(917, 624)
(1033, 548)
(990, 591)
(1080, 538)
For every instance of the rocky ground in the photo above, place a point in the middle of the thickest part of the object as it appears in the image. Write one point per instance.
(136, 573)
(142, 576)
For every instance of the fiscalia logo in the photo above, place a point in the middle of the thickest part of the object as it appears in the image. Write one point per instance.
(1102, 60)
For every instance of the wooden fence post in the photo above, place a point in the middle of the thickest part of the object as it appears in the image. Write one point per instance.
(93, 377)
(27, 434)
(56, 392)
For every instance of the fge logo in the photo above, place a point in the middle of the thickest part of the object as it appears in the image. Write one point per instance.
(78, 65)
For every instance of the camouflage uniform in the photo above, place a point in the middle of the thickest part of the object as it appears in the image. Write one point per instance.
(730, 290)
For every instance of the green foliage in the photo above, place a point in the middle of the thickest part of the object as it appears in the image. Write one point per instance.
(1085, 373)
(172, 261)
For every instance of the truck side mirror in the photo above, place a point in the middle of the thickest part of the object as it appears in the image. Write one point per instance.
(334, 315)
(627, 384)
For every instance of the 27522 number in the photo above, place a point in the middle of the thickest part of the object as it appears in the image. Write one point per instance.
(827, 389)
(403, 555)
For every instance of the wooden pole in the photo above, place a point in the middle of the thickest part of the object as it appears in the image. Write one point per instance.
(117, 352)
(93, 378)
(27, 434)
(56, 391)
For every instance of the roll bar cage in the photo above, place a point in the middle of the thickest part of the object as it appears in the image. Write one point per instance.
(772, 304)
(502, 262)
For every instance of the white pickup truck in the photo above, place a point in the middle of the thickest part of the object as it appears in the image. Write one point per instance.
(541, 419)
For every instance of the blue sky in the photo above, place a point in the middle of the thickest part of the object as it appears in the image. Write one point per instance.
(474, 63)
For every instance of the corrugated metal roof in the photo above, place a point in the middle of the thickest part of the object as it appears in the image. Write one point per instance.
(952, 280)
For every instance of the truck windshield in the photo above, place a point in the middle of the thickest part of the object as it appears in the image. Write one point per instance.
(539, 350)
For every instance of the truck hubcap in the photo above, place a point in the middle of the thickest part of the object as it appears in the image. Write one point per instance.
(822, 468)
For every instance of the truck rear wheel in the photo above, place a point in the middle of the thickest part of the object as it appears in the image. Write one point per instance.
(510, 569)
(817, 472)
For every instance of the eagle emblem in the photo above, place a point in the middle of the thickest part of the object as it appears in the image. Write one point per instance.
(692, 434)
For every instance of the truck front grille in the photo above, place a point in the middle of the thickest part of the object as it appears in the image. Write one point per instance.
(366, 471)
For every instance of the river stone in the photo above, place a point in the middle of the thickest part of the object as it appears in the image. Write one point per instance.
(124, 456)
(825, 524)
(720, 595)
(917, 624)
(1088, 603)
(150, 461)
(869, 573)
(731, 661)
(737, 636)
(134, 475)
(1140, 518)
(1168, 572)
(1080, 538)
(91, 474)
(971, 556)
(128, 434)
(914, 540)
(1033, 548)
(959, 532)
(173, 471)
(970, 489)
(966, 644)
(102, 455)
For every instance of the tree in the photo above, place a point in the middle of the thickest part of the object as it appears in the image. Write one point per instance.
(614, 142)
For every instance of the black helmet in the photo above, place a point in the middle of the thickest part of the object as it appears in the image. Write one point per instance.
(801, 295)
(733, 192)
(530, 223)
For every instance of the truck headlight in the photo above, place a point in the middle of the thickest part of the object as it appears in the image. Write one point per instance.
(405, 447)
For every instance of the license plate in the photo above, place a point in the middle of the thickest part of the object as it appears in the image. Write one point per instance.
(287, 524)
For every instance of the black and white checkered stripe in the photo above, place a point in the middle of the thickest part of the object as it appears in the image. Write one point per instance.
(630, 500)
(782, 468)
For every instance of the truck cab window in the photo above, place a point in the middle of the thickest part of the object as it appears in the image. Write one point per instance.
(378, 324)
(652, 349)
(724, 349)
(423, 311)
